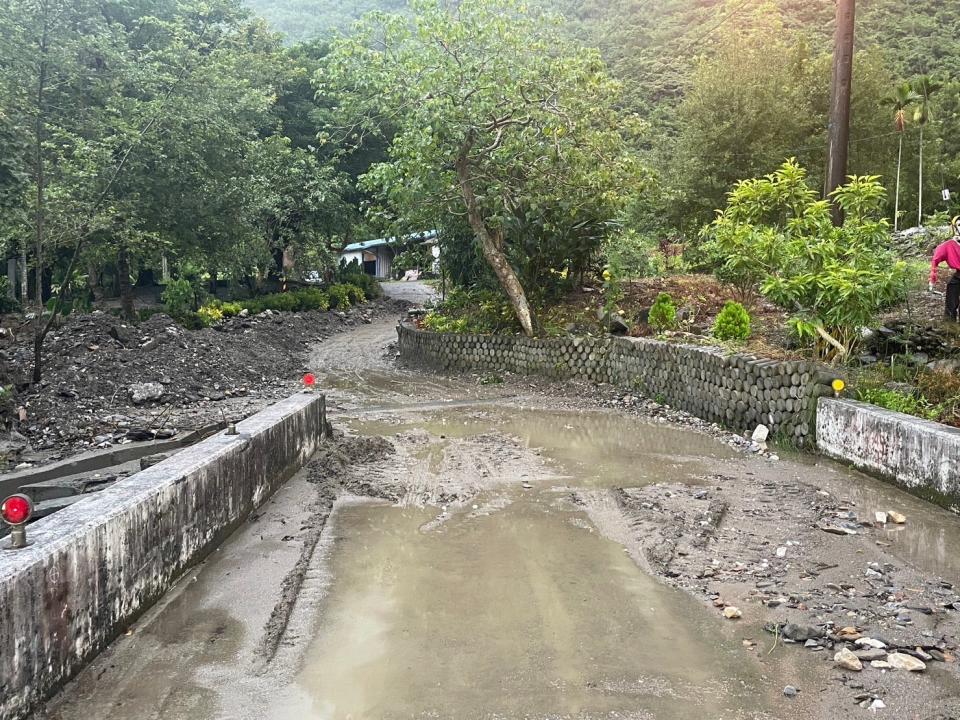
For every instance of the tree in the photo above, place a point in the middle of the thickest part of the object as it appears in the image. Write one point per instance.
(496, 117)
(902, 98)
(924, 86)
(92, 81)
(778, 235)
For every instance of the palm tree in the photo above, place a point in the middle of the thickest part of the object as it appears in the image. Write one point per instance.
(903, 96)
(924, 86)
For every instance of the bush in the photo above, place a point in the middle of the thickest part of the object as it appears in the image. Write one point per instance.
(343, 295)
(733, 323)
(180, 298)
(353, 275)
(209, 315)
(663, 314)
(312, 299)
(776, 234)
(7, 303)
(435, 322)
(900, 402)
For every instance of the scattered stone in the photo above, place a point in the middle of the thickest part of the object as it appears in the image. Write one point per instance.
(871, 643)
(790, 691)
(732, 613)
(896, 517)
(902, 661)
(880, 664)
(801, 633)
(761, 434)
(870, 654)
(781, 552)
(837, 530)
(143, 392)
(848, 661)
(881, 517)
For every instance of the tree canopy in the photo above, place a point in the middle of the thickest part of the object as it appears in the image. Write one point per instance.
(497, 118)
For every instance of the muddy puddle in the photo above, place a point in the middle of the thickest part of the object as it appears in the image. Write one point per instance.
(593, 449)
(930, 539)
(523, 613)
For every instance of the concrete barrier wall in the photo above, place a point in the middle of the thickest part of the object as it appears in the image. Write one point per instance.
(735, 390)
(920, 456)
(96, 566)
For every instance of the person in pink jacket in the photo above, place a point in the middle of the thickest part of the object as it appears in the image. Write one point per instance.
(949, 253)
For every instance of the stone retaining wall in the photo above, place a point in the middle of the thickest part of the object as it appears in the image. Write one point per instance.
(737, 391)
(918, 455)
(94, 567)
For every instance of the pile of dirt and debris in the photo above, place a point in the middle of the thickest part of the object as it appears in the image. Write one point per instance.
(107, 381)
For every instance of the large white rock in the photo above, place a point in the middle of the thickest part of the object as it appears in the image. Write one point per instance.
(848, 661)
(902, 661)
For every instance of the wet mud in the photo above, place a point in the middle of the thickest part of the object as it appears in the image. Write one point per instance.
(526, 550)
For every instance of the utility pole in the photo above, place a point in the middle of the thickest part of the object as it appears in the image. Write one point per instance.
(839, 129)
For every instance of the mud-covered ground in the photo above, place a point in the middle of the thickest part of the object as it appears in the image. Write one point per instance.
(108, 382)
(481, 547)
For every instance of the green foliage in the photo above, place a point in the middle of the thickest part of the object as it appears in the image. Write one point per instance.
(478, 311)
(353, 275)
(777, 234)
(732, 323)
(612, 286)
(210, 315)
(901, 402)
(464, 93)
(7, 303)
(663, 313)
(180, 297)
(631, 252)
(439, 323)
(415, 257)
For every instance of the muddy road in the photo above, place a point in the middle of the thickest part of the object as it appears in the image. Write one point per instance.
(477, 549)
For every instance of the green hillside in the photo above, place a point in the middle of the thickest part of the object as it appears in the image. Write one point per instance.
(309, 19)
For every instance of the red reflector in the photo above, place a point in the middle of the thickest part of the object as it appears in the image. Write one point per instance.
(309, 380)
(16, 509)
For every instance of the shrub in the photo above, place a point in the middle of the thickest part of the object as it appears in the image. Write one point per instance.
(7, 303)
(438, 323)
(340, 295)
(231, 309)
(352, 275)
(663, 314)
(776, 234)
(210, 314)
(180, 298)
(900, 402)
(733, 323)
(312, 299)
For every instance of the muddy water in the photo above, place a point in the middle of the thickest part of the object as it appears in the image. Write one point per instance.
(596, 449)
(522, 613)
(930, 539)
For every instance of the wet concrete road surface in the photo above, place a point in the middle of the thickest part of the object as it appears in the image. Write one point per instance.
(522, 612)
(488, 590)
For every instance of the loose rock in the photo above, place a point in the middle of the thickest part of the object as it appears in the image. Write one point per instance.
(848, 661)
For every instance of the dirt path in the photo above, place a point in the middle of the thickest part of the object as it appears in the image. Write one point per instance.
(523, 550)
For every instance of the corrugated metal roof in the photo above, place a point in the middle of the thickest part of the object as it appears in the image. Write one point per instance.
(380, 242)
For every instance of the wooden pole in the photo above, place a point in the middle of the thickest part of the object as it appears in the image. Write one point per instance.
(839, 130)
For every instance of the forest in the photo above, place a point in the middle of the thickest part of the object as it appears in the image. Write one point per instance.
(551, 146)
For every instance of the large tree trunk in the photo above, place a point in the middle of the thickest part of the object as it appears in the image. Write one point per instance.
(493, 249)
(123, 279)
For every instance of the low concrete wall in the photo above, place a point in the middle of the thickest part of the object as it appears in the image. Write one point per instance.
(96, 566)
(735, 390)
(918, 455)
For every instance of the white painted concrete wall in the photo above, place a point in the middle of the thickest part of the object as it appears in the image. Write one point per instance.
(919, 455)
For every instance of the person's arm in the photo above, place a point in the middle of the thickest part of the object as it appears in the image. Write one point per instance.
(938, 257)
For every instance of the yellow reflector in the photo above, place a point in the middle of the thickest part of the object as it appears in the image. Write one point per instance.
(838, 385)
